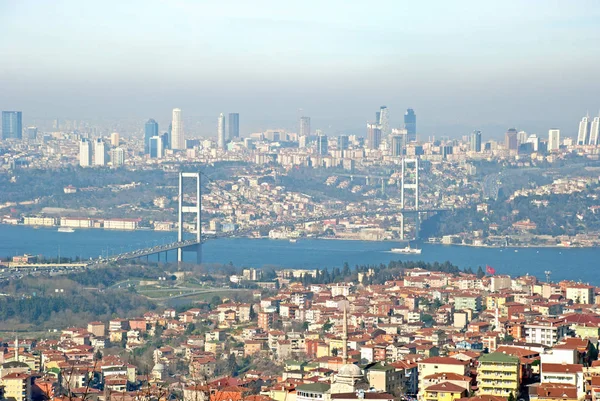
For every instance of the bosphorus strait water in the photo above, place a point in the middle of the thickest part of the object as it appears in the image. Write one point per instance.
(580, 264)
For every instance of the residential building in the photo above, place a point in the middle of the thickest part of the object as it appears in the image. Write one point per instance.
(99, 153)
(373, 136)
(498, 374)
(553, 140)
(85, 153)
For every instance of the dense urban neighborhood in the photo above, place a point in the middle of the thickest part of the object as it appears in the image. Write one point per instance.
(431, 333)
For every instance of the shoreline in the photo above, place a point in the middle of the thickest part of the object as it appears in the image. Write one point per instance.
(512, 246)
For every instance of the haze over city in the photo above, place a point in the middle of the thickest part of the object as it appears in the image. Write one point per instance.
(470, 65)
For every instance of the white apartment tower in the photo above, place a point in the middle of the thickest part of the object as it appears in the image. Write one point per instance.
(177, 138)
(553, 140)
(594, 131)
(221, 132)
(117, 157)
(85, 153)
(584, 131)
(99, 153)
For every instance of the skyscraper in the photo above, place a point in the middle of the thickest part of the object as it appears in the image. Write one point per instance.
(410, 125)
(594, 131)
(31, 133)
(12, 125)
(343, 142)
(165, 140)
(398, 143)
(117, 157)
(85, 153)
(150, 130)
(234, 125)
(553, 140)
(156, 147)
(373, 136)
(177, 136)
(475, 142)
(99, 153)
(384, 121)
(115, 139)
(584, 131)
(510, 139)
(304, 127)
(322, 145)
(221, 131)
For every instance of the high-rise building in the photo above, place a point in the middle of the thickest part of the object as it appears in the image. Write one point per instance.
(304, 127)
(322, 145)
(85, 153)
(384, 121)
(594, 131)
(343, 142)
(302, 141)
(99, 153)
(165, 140)
(410, 125)
(373, 136)
(150, 130)
(475, 142)
(553, 140)
(584, 131)
(156, 147)
(117, 157)
(177, 136)
(31, 133)
(221, 131)
(510, 139)
(234, 125)
(398, 142)
(115, 139)
(12, 125)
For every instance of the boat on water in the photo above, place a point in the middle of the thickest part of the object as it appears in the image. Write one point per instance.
(65, 230)
(407, 250)
(293, 240)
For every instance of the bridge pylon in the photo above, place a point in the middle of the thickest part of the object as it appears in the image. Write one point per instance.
(410, 182)
(194, 208)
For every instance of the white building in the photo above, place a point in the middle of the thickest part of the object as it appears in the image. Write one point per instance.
(584, 131)
(99, 153)
(545, 332)
(562, 373)
(221, 131)
(594, 131)
(85, 153)
(117, 157)
(553, 140)
(177, 136)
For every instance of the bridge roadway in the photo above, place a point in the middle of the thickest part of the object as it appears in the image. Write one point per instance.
(140, 253)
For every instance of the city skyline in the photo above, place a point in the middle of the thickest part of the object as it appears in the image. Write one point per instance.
(462, 75)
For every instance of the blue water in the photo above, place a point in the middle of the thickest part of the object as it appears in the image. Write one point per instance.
(574, 264)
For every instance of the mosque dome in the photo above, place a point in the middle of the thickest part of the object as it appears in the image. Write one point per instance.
(350, 370)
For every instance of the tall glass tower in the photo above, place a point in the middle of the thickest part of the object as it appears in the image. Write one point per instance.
(234, 125)
(150, 130)
(410, 125)
(12, 125)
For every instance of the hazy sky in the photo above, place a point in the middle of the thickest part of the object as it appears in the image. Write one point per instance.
(460, 64)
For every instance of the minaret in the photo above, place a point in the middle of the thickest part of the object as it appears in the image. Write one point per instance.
(345, 338)
(17, 348)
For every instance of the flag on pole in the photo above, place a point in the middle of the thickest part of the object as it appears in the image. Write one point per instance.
(489, 269)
